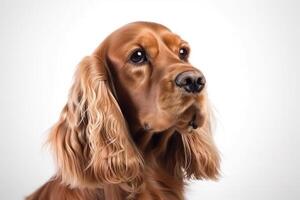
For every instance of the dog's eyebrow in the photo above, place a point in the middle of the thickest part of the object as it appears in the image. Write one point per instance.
(173, 41)
(144, 39)
(147, 41)
(171, 38)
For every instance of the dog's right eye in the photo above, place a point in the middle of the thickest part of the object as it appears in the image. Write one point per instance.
(138, 56)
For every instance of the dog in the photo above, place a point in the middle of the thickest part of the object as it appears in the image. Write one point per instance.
(137, 123)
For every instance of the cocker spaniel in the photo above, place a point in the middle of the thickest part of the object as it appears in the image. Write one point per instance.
(136, 124)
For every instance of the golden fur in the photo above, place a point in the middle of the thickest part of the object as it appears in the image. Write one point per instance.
(123, 134)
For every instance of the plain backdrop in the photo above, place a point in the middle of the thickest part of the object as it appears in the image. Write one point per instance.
(248, 50)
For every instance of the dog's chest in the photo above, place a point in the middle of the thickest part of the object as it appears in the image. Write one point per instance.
(159, 185)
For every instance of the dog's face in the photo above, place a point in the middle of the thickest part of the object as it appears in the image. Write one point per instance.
(156, 86)
(138, 80)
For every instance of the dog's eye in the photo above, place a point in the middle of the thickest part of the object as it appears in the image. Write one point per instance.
(183, 53)
(138, 56)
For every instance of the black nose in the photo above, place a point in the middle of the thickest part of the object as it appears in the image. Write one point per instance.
(191, 81)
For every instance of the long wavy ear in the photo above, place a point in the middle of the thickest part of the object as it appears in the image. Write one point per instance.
(195, 151)
(91, 139)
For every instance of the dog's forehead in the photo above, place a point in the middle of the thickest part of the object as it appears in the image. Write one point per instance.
(146, 25)
(148, 35)
(137, 29)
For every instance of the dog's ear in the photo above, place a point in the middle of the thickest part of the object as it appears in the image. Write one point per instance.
(91, 140)
(194, 150)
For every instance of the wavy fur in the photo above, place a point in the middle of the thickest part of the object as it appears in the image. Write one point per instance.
(125, 130)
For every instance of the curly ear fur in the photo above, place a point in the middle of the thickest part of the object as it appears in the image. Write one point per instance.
(195, 152)
(91, 139)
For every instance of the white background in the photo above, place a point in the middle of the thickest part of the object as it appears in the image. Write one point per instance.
(248, 50)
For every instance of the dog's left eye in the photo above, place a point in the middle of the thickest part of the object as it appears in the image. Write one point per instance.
(183, 53)
(138, 56)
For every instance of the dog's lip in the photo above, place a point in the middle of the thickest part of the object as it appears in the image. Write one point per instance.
(189, 121)
(146, 126)
(193, 122)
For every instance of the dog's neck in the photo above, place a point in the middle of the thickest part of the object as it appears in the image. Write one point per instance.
(152, 142)
(154, 148)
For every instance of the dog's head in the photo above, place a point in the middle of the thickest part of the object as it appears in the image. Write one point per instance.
(137, 82)
(154, 81)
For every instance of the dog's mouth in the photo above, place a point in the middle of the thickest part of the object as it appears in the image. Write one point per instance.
(190, 120)
(193, 123)
(184, 118)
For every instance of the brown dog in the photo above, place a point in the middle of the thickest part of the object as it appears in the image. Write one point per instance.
(137, 122)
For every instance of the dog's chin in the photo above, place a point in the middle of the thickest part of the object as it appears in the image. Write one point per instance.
(182, 117)
(186, 122)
